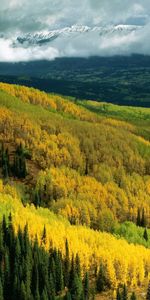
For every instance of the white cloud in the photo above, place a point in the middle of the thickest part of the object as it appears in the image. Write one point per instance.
(10, 54)
(21, 16)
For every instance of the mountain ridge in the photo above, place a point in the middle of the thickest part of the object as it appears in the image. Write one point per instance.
(49, 36)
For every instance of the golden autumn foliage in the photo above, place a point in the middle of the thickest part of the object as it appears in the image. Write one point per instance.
(54, 102)
(84, 200)
(91, 171)
(115, 159)
(125, 263)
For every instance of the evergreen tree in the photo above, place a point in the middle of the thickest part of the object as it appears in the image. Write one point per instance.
(1, 291)
(7, 285)
(37, 199)
(66, 264)
(101, 282)
(124, 293)
(22, 292)
(51, 287)
(43, 239)
(148, 292)
(143, 219)
(76, 288)
(2, 154)
(5, 162)
(138, 221)
(145, 235)
(37, 295)
(5, 170)
(72, 272)
(86, 286)
(68, 296)
(52, 271)
(77, 265)
(59, 273)
(118, 297)
(19, 167)
(44, 295)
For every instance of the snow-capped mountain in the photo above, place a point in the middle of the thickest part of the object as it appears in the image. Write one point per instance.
(40, 38)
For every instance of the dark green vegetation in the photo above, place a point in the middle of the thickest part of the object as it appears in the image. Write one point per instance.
(18, 167)
(28, 272)
(120, 80)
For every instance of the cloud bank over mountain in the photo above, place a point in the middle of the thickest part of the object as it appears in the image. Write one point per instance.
(21, 17)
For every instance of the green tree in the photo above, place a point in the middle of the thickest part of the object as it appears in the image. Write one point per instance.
(138, 221)
(44, 236)
(66, 264)
(68, 296)
(59, 273)
(23, 295)
(145, 235)
(37, 199)
(86, 286)
(76, 288)
(1, 291)
(51, 287)
(143, 218)
(72, 272)
(77, 265)
(44, 295)
(124, 293)
(101, 282)
(118, 297)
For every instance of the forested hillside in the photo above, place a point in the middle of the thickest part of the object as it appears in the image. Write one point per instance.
(81, 170)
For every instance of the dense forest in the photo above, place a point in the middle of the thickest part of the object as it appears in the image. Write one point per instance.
(75, 176)
(122, 80)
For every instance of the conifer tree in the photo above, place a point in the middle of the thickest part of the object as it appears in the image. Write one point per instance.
(5, 164)
(51, 287)
(76, 288)
(138, 221)
(1, 291)
(44, 295)
(86, 286)
(68, 296)
(59, 273)
(145, 235)
(23, 295)
(66, 264)
(52, 270)
(37, 199)
(19, 167)
(37, 295)
(118, 297)
(72, 272)
(101, 281)
(124, 293)
(77, 265)
(43, 239)
(143, 219)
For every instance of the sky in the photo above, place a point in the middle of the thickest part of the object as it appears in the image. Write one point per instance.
(18, 17)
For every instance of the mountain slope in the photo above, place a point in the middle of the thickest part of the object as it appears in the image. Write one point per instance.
(41, 38)
(69, 142)
(86, 169)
